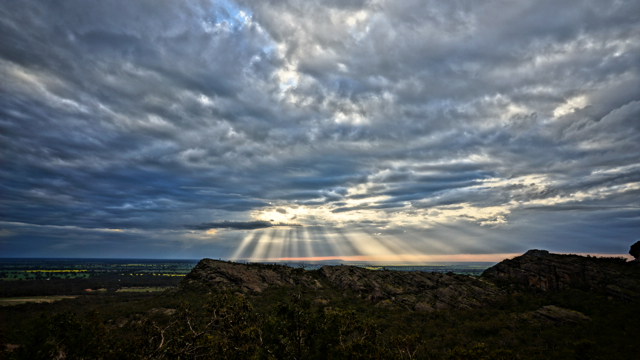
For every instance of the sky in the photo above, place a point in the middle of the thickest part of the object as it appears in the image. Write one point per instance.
(354, 130)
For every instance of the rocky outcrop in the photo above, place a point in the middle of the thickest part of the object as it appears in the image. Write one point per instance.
(222, 275)
(417, 291)
(544, 271)
(414, 290)
(426, 292)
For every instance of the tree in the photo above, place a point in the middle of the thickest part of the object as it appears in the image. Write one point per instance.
(635, 250)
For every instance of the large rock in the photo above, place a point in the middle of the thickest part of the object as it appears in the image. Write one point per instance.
(221, 275)
(551, 272)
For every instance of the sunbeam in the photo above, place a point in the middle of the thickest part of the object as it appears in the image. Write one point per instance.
(345, 242)
(404, 246)
(249, 239)
(399, 250)
(306, 242)
(377, 246)
(269, 244)
(322, 246)
(275, 249)
(295, 243)
(365, 247)
(258, 251)
(285, 250)
(463, 239)
(426, 244)
(338, 248)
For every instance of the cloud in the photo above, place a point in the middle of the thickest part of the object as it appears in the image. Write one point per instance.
(237, 225)
(146, 116)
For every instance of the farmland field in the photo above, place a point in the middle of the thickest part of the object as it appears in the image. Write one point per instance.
(50, 277)
(32, 269)
(31, 299)
(143, 289)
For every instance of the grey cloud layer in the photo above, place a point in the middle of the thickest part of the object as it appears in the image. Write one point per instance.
(155, 115)
(237, 225)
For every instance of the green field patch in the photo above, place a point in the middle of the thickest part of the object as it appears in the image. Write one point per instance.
(142, 289)
(42, 274)
(153, 274)
(31, 299)
(54, 271)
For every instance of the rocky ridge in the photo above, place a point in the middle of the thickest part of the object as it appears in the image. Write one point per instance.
(544, 271)
(417, 291)
(222, 275)
(420, 291)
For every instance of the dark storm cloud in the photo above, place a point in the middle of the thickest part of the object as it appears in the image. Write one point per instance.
(152, 115)
(237, 225)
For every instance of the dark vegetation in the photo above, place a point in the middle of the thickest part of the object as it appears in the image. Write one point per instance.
(205, 320)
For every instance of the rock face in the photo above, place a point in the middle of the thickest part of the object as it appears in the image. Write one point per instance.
(428, 292)
(551, 272)
(414, 290)
(417, 291)
(226, 275)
